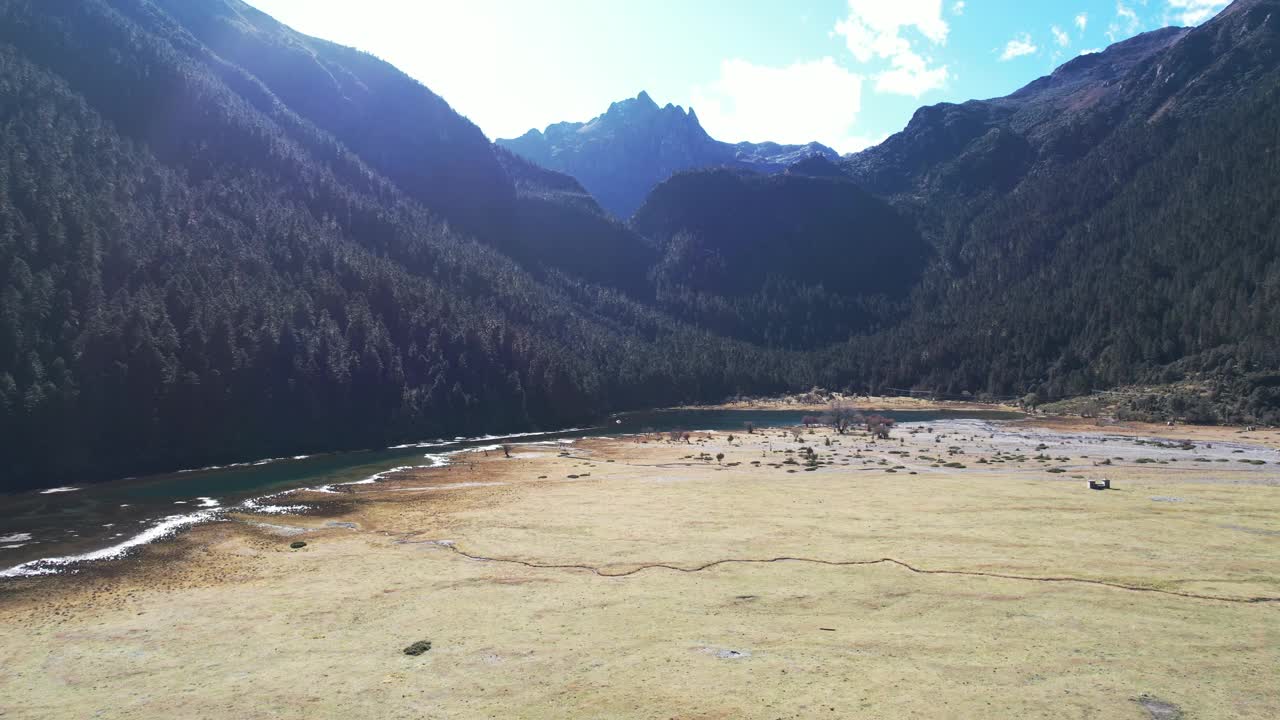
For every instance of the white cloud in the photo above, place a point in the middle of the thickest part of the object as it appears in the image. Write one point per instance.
(1125, 24)
(1018, 47)
(1082, 21)
(874, 30)
(806, 101)
(1090, 51)
(910, 75)
(1194, 12)
(958, 8)
(1060, 36)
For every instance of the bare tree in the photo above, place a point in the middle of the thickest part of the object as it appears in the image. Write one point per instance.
(840, 415)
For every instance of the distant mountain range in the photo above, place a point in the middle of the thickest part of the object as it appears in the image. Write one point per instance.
(1115, 222)
(221, 239)
(991, 145)
(621, 155)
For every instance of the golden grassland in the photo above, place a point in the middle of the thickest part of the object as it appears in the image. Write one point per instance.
(630, 579)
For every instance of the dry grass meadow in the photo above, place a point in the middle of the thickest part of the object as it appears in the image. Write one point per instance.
(627, 579)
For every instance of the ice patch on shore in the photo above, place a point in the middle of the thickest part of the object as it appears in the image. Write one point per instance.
(379, 475)
(248, 463)
(254, 506)
(211, 468)
(481, 438)
(433, 461)
(262, 505)
(51, 491)
(168, 526)
(165, 527)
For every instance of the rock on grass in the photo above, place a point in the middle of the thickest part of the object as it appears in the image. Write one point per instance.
(418, 648)
(1159, 709)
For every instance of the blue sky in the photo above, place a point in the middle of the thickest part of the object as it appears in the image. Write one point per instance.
(844, 72)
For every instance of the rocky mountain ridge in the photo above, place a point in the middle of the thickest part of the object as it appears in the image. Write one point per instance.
(622, 154)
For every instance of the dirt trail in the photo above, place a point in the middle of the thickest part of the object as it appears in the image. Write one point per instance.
(603, 572)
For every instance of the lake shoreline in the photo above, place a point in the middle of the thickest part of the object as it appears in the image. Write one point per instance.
(183, 524)
(64, 527)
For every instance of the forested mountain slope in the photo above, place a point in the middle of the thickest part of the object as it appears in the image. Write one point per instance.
(1114, 223)
(223, 240)
(798, 260)
(193, 270)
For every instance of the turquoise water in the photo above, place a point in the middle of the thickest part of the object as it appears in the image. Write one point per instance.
(94, 518)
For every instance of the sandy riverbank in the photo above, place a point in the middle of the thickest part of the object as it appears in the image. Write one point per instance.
(1100, 604)
(862, 402)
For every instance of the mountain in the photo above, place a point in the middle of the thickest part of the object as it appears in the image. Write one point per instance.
(621, 155)
(989, 145)
(221, 240)
(797, 260)
(1114, 223)
(1117, 222)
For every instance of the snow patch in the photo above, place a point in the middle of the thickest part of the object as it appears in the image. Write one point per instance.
(165, 527)
(481, 438)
